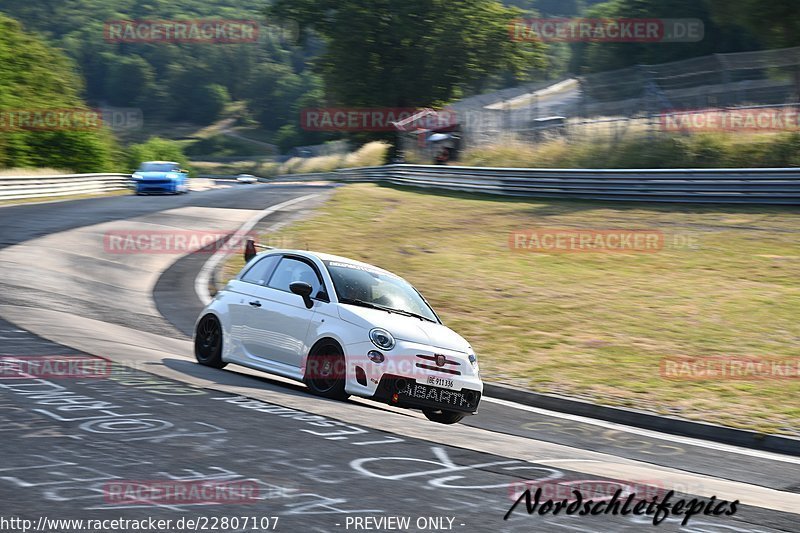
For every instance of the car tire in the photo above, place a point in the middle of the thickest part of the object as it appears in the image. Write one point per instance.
(443, 417)
(325, 371)
(208, 342)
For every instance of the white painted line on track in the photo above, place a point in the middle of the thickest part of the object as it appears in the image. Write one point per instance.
(728, 448)
(204, 277)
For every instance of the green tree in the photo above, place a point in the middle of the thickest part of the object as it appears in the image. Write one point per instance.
(775, 22)
(603, 56)
(35, 79)
(155, 149)
(196, 98)
(274, 91)
(410, 52)
(209, 101)
(169, 81)
(128, 80)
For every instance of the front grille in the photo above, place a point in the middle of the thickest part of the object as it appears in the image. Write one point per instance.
(411, 394)
(436, 368)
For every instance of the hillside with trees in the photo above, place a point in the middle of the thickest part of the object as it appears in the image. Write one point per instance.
(314, 53)
(35, 78)
(174, 81)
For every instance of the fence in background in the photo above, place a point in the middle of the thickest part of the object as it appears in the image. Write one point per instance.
(608, 105)
(719, 80)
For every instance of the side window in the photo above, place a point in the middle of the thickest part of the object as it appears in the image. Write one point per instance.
(259, 272)
(290, 270)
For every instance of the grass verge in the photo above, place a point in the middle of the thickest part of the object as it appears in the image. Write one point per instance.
(591, 325)
(369, 155)
(706, 150)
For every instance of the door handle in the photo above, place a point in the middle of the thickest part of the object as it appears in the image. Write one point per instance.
(256, 303)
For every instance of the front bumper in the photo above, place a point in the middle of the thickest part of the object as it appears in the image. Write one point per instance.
(402, 392)
(409, 376)
(156, 186)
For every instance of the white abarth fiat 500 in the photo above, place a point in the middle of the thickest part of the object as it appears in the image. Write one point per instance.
(342, 327)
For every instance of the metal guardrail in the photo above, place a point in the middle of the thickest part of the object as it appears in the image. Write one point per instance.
(741, 186)
(23, 187)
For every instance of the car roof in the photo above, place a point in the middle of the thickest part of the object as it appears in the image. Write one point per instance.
(161, 162)
(329, 257)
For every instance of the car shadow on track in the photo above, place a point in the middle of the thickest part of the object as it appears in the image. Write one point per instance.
(242, 377)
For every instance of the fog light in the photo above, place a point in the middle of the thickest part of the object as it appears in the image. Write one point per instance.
(395, 398)
(375, 356)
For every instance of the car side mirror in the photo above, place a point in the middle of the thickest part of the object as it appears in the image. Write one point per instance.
(301, 288)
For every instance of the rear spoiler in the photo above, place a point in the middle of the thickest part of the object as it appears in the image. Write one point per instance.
(250, 249)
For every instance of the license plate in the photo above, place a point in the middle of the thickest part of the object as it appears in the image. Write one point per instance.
(436, 381)
(434, 395)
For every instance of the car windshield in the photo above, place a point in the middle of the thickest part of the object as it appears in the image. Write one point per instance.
(373, 287)
(158, 167)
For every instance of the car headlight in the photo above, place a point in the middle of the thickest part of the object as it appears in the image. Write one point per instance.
(172, 176)
(136, 176)
(381, 338)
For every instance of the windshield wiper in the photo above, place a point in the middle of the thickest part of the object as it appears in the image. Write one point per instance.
(371, 305)
(408, 313)
(353, 301)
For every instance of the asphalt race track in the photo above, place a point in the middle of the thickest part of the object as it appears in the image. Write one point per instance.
(316, 465)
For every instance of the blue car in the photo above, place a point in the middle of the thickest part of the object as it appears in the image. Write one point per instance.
(160, 177)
